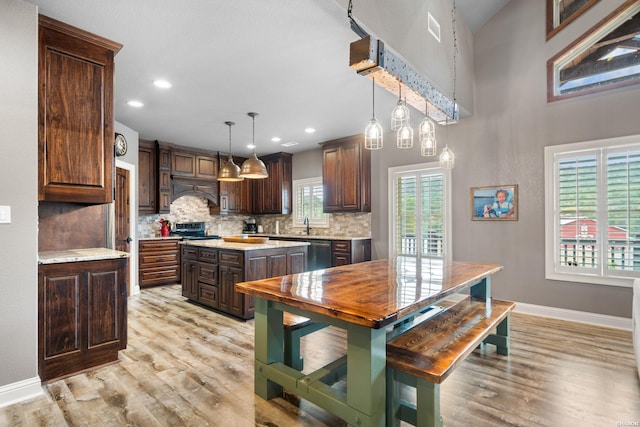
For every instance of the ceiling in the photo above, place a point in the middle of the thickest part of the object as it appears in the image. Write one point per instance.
(286, 60)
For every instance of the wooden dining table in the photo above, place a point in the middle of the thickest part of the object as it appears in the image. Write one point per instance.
(366, 300)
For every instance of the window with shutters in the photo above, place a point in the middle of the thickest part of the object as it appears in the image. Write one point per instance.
(593, 211)
(307, 203)
(419, 214)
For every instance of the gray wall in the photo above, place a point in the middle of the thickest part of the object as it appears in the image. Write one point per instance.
(503, 143)
(19, 189)
(307, 164)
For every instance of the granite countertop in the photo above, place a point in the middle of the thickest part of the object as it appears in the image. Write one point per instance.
(75, 255)
(313, 237)
(221, 244)
(161, 238)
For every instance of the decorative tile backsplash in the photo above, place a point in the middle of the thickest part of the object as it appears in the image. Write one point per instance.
(194, 208)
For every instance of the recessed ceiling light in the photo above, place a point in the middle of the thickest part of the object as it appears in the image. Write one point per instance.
(135, 103)
(309, 130)
(275, 139)
(251, 146)
(289, 144)
(162, 84)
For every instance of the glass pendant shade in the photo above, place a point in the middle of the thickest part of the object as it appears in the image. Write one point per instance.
(399, 116)
(229, 172)
(447, 159)
(405, 137)
(373, 132)
(427, 137)
(253, 167)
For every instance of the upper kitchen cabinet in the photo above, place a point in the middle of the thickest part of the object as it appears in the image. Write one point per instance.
(75, 117)
(272, 195)
(147, 177)
(235, 196)
(346, 175)
(189, 164)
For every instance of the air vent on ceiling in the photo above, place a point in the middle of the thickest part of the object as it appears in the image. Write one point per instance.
(433, 26)
(289, 144)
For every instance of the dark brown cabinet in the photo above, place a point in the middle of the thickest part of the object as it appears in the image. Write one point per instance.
(164, 178)
(272, 195)
(147, 177)
(346, 175)
(82, 315)
(235, 197)
(209, 275)
(344, 252)
(75, 114)
(158, 262)
(187, 164)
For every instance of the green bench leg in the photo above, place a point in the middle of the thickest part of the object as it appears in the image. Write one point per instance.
(428, 404)
(503, 330)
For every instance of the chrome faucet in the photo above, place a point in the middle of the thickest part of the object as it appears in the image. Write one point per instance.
(306, 222)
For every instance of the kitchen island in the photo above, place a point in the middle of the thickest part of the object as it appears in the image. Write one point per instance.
(211, 268)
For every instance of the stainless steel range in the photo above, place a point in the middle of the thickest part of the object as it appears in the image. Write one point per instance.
(191, 231)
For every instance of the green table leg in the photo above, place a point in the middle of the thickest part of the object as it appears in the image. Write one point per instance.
(482, 289)
(269, 343)
(366, 362)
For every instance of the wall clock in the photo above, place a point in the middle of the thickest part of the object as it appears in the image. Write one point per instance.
(121, 145)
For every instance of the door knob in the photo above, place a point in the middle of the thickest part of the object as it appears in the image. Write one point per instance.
(128, 239)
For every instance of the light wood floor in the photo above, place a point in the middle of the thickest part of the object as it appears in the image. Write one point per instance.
(187, 366)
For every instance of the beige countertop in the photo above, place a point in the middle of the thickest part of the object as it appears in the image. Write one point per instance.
(221, 244)
(161, 238)
(313, 237)
(75, 255)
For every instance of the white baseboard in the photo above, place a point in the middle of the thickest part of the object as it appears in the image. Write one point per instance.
(569, 315)
(19, 391)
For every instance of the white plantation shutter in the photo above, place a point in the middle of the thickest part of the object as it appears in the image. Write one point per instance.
(595, 236)
(418, 215)
(307, 202)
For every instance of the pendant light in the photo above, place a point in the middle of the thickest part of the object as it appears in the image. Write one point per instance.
(427, 135)
(400, 113)
(253, 167)
(447, 159)
(373, 131)
(404, 138)
(229, 172)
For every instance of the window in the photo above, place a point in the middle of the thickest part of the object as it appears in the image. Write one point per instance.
(606, 57)
(307, 203)
(419, 213)
(592, 214)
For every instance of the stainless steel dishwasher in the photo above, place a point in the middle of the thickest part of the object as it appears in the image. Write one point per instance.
(318, 254)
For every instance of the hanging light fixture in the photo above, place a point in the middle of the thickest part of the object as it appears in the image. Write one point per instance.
(253, 167)
(229, 171)
(427, 135)
(373, 131)
(400, 113)
(447, 159)
(404, 138)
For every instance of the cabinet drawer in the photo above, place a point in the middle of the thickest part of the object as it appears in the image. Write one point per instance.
(208, 294)
(157, 259)
(231, 258)
(342, 246)
(189, 252)
(208, 255)
(208, 273)
(158, 276)
(158, 245)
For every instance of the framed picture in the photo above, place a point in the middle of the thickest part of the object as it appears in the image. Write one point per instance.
(499, 203)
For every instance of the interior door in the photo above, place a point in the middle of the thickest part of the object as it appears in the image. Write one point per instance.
(122, 207)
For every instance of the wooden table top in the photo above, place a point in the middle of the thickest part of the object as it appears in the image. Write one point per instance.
(374, 293)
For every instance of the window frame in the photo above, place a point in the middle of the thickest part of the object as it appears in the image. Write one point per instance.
(301, 183)
(601, 148)
(446, 182)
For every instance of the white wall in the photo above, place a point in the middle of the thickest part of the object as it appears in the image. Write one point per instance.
(18, 189)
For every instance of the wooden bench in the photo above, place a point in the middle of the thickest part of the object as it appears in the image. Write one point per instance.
(425, 355)
(295, 327)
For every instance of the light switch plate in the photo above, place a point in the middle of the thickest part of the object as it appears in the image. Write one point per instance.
(5, 214)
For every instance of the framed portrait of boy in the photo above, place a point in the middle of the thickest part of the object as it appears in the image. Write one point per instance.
(496, 203)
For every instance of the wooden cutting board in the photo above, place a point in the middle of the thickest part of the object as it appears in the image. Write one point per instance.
(237, 239)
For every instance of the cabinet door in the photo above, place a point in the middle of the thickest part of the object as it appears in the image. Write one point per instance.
(183, 164)
(75, 102)
(296, 262)
(331, 180)
(103, 308)
(206, 167)
(237, 300)
(350, 177)
(190, 279)
(341, 259)
(277, 265)
(147, 176)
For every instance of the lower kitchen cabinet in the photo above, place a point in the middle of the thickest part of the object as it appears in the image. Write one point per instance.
(344, 252)
(159, 262)
(82, 315)
(209, 275)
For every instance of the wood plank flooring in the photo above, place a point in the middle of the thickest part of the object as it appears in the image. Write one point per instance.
(188, 366)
